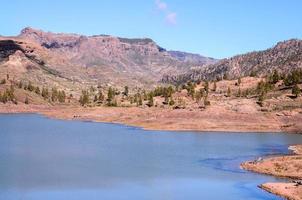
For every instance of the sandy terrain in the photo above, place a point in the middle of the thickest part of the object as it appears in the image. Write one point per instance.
(289, 191)
(289, 166)
(214, 118)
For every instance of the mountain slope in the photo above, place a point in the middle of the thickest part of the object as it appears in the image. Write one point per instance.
(284, 57)
(110, 60)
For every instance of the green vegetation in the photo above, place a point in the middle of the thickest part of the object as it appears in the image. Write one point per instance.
(150, 99)
(8, 95)
(293, 78)
(126, 91)
(274, 78)
(296, 90)
(84, 98)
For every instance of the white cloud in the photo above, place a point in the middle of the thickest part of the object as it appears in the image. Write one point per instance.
(161, 5)
(171, 18)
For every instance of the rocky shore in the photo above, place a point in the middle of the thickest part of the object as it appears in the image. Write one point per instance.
(288, 166)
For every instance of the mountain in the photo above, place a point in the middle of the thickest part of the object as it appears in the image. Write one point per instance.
(98, 59)
(283, 57)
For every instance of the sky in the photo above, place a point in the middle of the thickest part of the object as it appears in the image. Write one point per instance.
(215, 28)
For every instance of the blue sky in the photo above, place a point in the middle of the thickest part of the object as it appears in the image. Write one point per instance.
(216, 28)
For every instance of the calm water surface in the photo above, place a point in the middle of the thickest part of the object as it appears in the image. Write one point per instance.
(42, 158)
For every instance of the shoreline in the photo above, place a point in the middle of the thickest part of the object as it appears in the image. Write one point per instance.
(209, 120)
(287, 167)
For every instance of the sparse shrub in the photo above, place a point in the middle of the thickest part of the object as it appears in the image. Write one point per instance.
(3, 81)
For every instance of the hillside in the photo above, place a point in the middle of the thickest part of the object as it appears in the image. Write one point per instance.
(283, 57)
(93, 60)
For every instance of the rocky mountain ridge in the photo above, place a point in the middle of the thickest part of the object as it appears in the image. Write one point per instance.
(283, 57)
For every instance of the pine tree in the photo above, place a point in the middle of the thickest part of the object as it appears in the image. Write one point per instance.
(101, 97)
(150, 99)
(84, 98)
(296, 90)
(206, 87)
(126, 91)
(45, 93)
(239, 81)
(215, 86)
(229, 92)
(54, 94)
(110, 94)
(37, 90)
(26, 101)
(261, 98)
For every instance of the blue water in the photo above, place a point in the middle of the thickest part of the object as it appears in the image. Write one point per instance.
(42, 158)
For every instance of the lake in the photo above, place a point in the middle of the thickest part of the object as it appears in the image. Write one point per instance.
(42, 158)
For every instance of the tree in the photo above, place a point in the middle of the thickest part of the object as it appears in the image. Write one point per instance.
(20, 85)
(84, 98)
(225, 76)
(3, 81)
(101, 97)
(150, 99)
(37, 90)
(140, 100)
(54, 94)
(206, 86)
(95, 98)
(261, 98)
(110, 94)
(7, 76)
(126, 91)
(296, 90)
(275, 77)
(239, 81)
(253, 74)
(171, 102)
(45, 93)
(30, 87)
(214, 87)
(26, 101)
(229, 92)
(61, 96)
(239, 92)
(206, 102)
